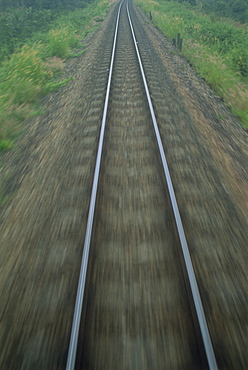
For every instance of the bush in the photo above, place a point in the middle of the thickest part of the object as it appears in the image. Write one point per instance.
(23, 75)
(240, 61)
(59, 43)
(61, 40)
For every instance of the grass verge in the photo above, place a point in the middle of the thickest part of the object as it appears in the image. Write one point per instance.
(216, 49)
(31, 71)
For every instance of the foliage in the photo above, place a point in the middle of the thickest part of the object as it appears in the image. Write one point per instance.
(33, 45)
(217, 49)
(18, 24)
(44, 4)
(240, 60)
(234, 9)
(5, 144)
(59, 41)
(22, 20)
(22, 79)
(23, 75)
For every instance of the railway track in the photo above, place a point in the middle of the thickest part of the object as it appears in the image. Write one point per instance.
(135, 309)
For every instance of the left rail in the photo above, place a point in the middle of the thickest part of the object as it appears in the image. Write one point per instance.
(83, 271)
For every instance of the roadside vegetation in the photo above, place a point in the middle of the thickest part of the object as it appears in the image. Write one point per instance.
(34, 44)
(234, 9)
(216, 47)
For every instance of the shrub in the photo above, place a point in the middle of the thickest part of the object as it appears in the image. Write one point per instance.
(5, 144)
(61, 40)
(240, 61)
(23, 75)
(59, 43)
(22, 78)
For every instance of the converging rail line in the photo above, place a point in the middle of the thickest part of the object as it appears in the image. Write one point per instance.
(136, 312)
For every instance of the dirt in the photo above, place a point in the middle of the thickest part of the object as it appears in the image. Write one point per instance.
(47, 179)
(206, 149)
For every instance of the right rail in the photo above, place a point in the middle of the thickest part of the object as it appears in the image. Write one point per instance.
(187, 259)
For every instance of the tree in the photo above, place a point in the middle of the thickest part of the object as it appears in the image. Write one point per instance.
(240, 10)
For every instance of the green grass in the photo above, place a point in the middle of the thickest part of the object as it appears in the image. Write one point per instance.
(218, 50)
(30, 72)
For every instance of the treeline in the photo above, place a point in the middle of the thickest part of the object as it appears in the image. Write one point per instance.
(235, 9)
(42, 4)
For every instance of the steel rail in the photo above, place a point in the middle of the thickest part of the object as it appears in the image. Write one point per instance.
(187, 259)
(71, 358)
